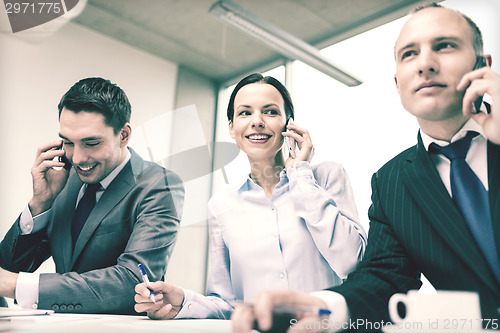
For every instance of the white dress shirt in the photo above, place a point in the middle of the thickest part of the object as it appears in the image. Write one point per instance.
(27, 283)
(306, 237)
(476, 156)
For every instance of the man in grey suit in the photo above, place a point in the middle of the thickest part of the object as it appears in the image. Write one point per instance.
(98, 219)
(418, 222)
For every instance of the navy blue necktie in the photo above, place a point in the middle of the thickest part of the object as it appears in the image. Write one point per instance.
(82, 212)
(471, 197)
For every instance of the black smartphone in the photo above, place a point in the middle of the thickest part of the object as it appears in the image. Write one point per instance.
(284, 316)
(480, 62)
(64, 159)
(281, 322)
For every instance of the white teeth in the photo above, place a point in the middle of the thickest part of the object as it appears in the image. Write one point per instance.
(86, 169)
(258, 136)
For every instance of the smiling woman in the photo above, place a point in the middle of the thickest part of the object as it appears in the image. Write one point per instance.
(258, 111)
(287, 224)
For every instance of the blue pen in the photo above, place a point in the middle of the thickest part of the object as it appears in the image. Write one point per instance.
(146, 281)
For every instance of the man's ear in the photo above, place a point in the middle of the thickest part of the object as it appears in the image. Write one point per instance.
(231, 129)
(397, 84)
(125, 134)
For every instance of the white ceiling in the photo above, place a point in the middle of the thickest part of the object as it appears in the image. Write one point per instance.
(183, 32)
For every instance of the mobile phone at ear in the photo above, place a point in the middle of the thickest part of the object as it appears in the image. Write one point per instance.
(64, 159)
(290, 146)
(480, 62)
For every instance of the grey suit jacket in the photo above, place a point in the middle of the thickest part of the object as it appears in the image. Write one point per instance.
(416, 228)
(135, 221)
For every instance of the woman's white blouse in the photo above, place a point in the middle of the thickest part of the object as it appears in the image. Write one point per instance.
(307, 237)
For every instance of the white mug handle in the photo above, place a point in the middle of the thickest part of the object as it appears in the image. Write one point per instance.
(393, 307)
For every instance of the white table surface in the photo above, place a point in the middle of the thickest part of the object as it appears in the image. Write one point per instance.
(76, 323)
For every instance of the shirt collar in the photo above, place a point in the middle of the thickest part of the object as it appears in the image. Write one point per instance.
(470, 125)
(248, 184)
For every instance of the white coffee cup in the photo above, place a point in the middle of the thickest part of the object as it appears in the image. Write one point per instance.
(451, 311)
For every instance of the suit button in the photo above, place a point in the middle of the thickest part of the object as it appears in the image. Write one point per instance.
(62, 307)
(78, 307)
(70, 307)
(55, 307)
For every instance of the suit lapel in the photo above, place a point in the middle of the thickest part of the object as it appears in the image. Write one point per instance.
(115, 192)
(494, 189)
(430, 194)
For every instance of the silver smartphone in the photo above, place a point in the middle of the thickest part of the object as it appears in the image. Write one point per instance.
(290, 147)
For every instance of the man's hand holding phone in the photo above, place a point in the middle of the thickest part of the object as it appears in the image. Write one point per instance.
(281, 311)
(300, 138)
(475, 84)
(49, 176)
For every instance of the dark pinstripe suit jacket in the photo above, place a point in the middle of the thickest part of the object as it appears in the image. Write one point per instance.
(416, 228)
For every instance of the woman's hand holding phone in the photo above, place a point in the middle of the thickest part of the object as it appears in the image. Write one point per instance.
(300, 138)
(49, 177)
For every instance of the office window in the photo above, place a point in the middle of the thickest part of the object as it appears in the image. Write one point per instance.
(359, 127)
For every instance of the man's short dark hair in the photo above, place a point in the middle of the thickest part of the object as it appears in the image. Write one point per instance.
(477, 36)
(98, 95)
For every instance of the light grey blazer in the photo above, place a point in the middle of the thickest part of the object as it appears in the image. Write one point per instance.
(135, 221)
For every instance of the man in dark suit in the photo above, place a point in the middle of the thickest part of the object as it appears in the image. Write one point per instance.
(418, 224)
(98, 219)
